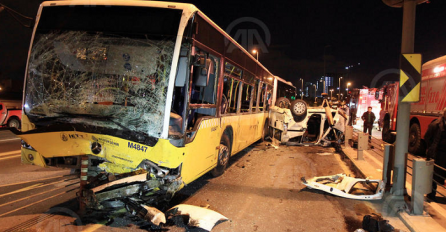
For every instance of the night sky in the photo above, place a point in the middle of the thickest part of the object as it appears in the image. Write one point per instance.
(351, 32)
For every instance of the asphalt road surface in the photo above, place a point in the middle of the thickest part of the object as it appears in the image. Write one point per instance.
(260, 191)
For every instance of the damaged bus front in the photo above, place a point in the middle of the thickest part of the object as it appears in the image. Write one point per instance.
(101, 83)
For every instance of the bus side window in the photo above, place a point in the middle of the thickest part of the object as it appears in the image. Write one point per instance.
(268, 97)
(231, 88)
(262, 97)
(254, 97)
(230, 92)
(206, 94)
(246, 98)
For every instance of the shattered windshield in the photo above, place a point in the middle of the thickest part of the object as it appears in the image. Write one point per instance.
(90, 65)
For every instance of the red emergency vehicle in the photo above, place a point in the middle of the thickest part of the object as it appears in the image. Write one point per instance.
(361, 99)
(430, 107)
(10, 113)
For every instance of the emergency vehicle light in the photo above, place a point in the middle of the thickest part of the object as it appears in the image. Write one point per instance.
(438, 69)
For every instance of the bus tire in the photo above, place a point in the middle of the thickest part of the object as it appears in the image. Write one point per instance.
(415, 143)
(299, 108)
(14, 122)
(223, 156)
(283, 102)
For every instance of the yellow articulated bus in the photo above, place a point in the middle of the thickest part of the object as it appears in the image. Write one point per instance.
(147, 90)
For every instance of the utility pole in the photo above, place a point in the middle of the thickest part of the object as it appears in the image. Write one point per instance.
(302, 92)
(403, 117)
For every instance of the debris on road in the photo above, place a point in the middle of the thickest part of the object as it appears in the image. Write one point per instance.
(198, 216)
(274, 146)
(150, 214)
(347, 187)
(375, 223)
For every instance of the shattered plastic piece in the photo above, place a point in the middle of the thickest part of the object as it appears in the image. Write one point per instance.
(114, 168)
(198, 216)
(125, 191)
(150, 214)
(154, 215)
(348, 187)
(139, 178)
(274, 146)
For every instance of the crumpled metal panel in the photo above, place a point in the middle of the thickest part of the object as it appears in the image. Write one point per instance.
(348, 187)
(123, 80)
(198, 216)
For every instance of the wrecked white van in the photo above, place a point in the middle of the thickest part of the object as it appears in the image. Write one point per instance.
(303, 125)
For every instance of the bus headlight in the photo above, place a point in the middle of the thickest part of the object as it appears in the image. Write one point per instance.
(27, 146)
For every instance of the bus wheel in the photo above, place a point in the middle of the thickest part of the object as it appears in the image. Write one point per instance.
(415, 143)
(223, 156)
(283, 102)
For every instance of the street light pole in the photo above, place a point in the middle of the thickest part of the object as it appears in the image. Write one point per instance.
(403, 116)
(340, 87)
(348, 84)
(302, 92)
(315, 93)
(323, 87)
(257, 54)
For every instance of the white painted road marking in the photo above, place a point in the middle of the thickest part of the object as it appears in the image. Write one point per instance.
(10, 157)
(13, 139)
(10, 153)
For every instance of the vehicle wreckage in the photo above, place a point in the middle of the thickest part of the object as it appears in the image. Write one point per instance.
(303, 125)
(348, 187)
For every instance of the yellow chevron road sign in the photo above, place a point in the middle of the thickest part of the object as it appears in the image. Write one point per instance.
(410, 77)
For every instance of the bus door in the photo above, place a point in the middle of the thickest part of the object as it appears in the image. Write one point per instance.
(248, 107)
(247, 120)
(203, 127)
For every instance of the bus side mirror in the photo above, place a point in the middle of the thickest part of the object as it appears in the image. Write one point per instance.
(202, 70)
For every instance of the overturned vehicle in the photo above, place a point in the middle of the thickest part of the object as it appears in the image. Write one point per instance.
(303, 125)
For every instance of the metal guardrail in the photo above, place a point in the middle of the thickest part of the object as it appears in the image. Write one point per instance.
(378, 149)
(443, 178)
